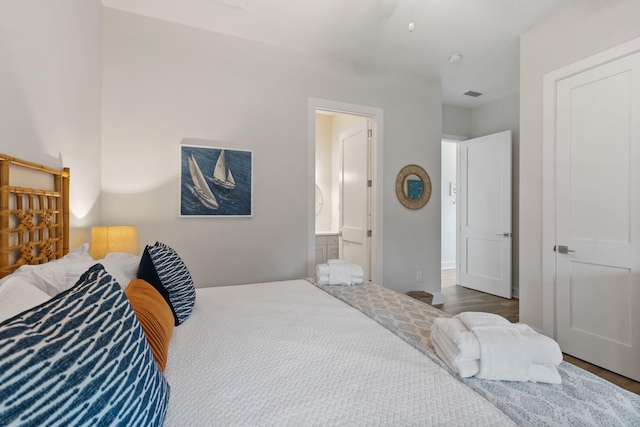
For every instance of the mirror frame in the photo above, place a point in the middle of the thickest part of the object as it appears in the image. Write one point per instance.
(404, 198)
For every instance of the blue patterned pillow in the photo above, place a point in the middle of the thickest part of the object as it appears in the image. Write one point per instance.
(80, 359)
(162, 267)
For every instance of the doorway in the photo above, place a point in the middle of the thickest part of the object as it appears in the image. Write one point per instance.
(343, 170)
(347, 118)
(449, 216)
(476, 213)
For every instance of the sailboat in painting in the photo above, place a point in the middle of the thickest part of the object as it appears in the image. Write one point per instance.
(200, 186)
(222, 176)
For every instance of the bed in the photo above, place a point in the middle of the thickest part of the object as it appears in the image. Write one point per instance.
(280, 353)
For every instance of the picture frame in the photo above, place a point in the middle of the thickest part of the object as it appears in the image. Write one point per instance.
(215, 182)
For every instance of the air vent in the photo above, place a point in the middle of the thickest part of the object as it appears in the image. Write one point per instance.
(473, 94)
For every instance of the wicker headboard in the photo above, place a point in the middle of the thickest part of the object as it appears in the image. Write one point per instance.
(34, 222)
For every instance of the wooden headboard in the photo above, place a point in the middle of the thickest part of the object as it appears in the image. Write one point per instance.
(34, 222)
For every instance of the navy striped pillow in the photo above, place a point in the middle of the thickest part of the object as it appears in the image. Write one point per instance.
(164, 269)
(80, 359)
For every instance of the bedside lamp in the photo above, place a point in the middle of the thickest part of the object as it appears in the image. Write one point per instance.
(120, 238)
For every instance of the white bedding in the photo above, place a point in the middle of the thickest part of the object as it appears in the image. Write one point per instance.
(286, 353)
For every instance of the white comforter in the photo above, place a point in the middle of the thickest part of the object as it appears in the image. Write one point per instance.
(286, 353)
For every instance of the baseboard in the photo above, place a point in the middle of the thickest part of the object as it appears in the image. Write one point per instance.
(447, 264)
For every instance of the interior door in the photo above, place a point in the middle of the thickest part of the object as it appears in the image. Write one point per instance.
(355, 197)
(597, 215)
(484, 194)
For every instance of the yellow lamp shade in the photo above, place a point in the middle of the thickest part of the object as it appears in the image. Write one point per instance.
(120, 238)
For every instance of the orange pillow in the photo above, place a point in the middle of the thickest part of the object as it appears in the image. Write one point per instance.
(155, 317)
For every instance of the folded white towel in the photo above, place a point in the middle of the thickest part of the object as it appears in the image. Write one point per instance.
(466, 344)
(545, 374)
(348, 274)
(446, 350)
(474, 319)
(544, 350)
(339, 274)
(322, 270)
(356, 271)
(324, 280)
(504, 354)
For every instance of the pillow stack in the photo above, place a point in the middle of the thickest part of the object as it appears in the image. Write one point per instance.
(80, 358)
(164, 270)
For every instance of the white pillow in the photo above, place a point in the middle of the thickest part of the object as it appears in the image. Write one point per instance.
(56, 276)
(60, 275)
(122, 266)
(18, 295)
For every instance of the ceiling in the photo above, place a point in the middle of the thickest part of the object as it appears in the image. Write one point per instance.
(375, 33)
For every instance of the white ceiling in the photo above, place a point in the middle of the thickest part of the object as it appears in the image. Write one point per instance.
(375, 33)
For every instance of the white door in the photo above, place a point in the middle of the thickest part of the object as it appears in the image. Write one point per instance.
(597, 215)
(484, 194)
(354, 197)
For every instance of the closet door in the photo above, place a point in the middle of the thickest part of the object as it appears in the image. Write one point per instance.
(597, 215)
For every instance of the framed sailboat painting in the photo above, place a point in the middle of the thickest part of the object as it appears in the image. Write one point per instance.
(215, 182)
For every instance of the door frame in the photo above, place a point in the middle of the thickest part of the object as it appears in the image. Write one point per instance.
(376, 115)
(550, 81)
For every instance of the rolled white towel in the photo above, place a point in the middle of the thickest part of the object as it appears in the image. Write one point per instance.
(336, 261)
(322, 280)
(464, 340)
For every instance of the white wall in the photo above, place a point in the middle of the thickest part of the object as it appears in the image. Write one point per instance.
(579, 33)
(163, 82)
(497, 116)
(448, 220)
(456, 120)
(324, 173)
(50, 82)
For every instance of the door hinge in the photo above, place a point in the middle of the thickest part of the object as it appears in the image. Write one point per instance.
(369, 183)
(368, 233)
(554, 248)
(370, 133)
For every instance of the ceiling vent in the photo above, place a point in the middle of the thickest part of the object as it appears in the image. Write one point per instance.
(473, 94)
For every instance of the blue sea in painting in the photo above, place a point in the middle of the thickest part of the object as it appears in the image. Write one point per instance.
(231, 201)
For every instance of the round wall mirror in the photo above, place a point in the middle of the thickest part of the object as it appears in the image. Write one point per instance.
(413, 187)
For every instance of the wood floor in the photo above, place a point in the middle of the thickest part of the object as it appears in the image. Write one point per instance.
(458, 299)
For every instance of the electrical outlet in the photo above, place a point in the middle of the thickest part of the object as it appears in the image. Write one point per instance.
(418, 276)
